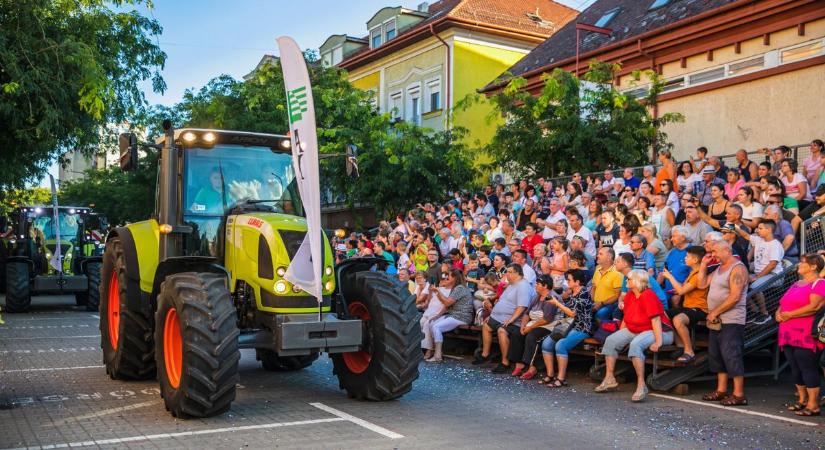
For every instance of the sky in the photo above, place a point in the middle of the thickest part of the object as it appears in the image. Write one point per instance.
(206, 38)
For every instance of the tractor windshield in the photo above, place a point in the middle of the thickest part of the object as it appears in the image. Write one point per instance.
(223, 176)
(43, 226)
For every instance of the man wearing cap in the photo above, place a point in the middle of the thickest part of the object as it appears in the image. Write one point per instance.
(739, 246)
(702, 187)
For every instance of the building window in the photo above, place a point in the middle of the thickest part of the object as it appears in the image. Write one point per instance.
(389, 30)
(326, 59)
(658, 4)
(375, 37)
(748, 65)
(433, 94)
(337, 55)
(414, 104)
(708, 75)
(396, 105)
(802, 52)
(672, 85)
(608, 17)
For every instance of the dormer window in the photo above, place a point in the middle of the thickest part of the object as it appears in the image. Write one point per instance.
(608, 17)
(375, 37)
(658, 4)
(389, 30)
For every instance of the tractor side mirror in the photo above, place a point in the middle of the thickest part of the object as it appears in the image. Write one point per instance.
(128, 151)
(352, 161)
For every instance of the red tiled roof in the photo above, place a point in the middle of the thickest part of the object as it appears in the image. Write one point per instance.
(633, 20)
(512, 15)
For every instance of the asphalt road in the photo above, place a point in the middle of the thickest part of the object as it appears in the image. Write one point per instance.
(54, 393)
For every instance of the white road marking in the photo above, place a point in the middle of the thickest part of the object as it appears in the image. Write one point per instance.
(105, 412)
(368, 425)
(95, 316)
(51, 337)
(49, 369)
(49, 350)
(151, 437)
(45, 327)
(737, 410)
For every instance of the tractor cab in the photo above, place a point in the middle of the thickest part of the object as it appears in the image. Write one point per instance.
(52, 251)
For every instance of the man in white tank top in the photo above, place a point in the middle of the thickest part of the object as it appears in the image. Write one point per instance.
(726, 303)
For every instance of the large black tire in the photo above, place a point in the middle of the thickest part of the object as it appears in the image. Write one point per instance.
(90, 298)
(202, 331)
(274, 363)
(18, 287)
(131, 355)
(393, 339)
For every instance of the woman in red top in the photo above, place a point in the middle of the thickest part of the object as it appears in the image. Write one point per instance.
(645, 326)
(531, 238)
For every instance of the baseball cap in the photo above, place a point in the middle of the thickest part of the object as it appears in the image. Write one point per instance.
(728, 227)
(708, 169)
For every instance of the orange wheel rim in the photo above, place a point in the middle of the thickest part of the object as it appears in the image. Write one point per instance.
(357, 362)
(172, 348)
(113, 310)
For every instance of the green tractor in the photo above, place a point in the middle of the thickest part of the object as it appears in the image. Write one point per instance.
(28, 257)
(184, 291)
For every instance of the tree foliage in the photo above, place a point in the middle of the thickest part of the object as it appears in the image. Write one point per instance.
(575, 125)
(67, 68)
(24, 197)
(400, 164)
(122, 196)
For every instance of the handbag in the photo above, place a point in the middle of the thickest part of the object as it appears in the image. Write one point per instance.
(820, 329)
(559, 328)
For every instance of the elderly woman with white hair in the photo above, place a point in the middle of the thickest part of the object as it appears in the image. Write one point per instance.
(645, 326)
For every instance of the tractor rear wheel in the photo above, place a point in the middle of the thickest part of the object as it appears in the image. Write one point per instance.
(18, 289)
(90, 298)
(196, 344)
(125, 333)
(387, 365)
(274, 363)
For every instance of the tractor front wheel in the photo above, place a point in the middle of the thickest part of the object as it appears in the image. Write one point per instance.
(274, 363)
(196, 344)
(91, 297)
(125, 331)
(18, 287)
(387, 365)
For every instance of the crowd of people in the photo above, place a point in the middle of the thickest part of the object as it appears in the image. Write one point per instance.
(635, 263)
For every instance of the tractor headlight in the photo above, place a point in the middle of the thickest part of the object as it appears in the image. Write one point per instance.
(209, 137)
(296, 289)
(329, 285)
(286, 143)
(281, 271)
(12, 241)
(328, 271)
(189, 137)
(280, 287)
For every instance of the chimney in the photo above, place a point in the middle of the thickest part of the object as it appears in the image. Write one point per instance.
(423, 6)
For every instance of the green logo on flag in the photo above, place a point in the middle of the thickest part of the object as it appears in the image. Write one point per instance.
(297, 103)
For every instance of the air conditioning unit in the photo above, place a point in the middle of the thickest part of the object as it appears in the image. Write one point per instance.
(500, 178)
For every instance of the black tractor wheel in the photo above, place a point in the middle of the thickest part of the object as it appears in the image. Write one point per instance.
(18, 287)
(196, 344)
(388, 363)
(274, 363)
(90, 298)
(125, 333)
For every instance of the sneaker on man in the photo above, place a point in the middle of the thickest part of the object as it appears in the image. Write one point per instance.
(762, 319)
(501, 368)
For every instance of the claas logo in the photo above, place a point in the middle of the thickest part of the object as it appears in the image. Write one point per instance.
(257, 223)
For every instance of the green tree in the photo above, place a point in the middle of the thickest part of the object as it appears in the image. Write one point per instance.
(575, 125)
(24, 197)
(122, 196)
(67, 68)
(400, 164)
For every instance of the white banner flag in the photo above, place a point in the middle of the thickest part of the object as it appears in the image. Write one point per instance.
(305, 269)
(57, 259)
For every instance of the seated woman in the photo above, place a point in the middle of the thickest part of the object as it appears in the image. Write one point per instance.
(797, 309)
(579, 306)
(524, 345)
(644, 326)
(459, 311)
